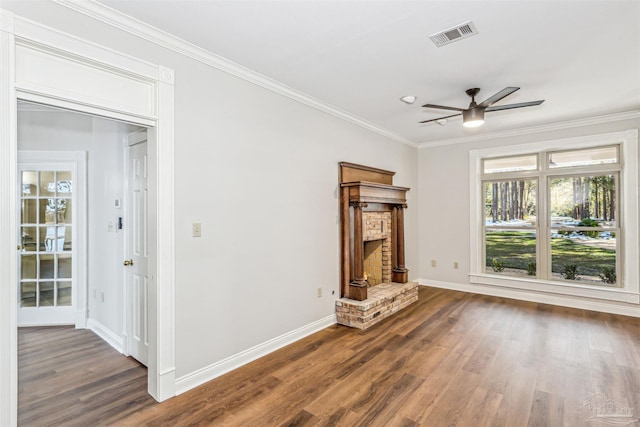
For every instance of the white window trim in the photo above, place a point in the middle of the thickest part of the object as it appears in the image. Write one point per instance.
(629, 292)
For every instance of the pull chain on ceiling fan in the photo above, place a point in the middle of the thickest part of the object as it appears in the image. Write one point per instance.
(473, 116)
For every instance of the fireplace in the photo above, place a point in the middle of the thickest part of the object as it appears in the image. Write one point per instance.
(371, 208)
(373, 282)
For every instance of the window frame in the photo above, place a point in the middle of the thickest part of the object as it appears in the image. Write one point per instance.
(628, 288)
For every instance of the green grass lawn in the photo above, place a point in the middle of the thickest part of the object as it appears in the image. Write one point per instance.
(516, 249)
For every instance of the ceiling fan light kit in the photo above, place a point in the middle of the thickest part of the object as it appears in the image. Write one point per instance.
(473, 115)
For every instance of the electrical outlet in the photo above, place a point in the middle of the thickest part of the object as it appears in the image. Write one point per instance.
(455, 265)
(433, 263)
(319, 292)
(196, 229)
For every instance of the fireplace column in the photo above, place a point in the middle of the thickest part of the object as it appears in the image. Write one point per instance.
(400, 272)
(358, 285)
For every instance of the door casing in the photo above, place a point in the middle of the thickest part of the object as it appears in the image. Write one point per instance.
(77, 63)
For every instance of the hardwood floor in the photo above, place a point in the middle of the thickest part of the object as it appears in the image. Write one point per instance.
(68, 376)
(451, 359)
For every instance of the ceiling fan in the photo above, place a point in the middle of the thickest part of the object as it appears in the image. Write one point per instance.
(473, 116)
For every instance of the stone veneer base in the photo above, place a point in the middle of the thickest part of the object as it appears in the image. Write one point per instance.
(382, 301)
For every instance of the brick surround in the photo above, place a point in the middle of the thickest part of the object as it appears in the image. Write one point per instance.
(377, 260)
(382, 301)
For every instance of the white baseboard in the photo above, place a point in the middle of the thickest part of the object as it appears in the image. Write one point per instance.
(166, 386)
(81, 319)
(540, 297)
(201, 376)
(113, 339)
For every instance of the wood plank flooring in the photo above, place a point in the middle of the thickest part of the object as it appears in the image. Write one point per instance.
(68, 376)
(451, 359)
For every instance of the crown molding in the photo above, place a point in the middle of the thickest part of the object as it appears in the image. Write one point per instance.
(145, 31)
(6, 21)
(536, 129)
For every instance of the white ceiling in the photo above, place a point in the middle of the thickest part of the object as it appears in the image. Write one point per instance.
(582, 57)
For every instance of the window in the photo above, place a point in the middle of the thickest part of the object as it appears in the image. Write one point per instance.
(510, 226)
(552, 216)
(577, 240)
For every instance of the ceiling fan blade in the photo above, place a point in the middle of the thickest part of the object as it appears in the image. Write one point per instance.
(442, 107)
(510, 106)
(440, 118)
(498, 96)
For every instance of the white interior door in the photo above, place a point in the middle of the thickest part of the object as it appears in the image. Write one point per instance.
(47, 260)
(137, 250)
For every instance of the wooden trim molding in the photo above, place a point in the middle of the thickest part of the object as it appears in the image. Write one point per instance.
(351, 172)
(375, 193)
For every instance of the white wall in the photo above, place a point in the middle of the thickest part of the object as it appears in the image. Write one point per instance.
(444, 208)
(56, 130)
(260, 172)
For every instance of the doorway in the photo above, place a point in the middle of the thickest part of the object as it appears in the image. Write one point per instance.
(71, 179)
(51, 210)
(134, 91)
(86, 156)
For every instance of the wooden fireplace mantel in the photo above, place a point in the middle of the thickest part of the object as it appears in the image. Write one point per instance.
(372, 192)
(363, 188)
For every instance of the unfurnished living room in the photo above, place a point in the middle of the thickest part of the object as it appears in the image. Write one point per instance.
(319, 213)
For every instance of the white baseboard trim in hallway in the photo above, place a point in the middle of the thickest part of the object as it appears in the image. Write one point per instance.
(106, 334)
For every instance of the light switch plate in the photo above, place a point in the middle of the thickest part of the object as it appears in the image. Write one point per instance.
(196, 229)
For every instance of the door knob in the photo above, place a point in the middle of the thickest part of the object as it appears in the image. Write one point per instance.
(128, 262)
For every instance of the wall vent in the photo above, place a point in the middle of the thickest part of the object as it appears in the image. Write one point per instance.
(454, 34)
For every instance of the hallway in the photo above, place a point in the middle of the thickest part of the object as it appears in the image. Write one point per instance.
(69, 376)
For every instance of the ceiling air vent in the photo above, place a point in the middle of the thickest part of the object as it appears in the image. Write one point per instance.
(456, 33)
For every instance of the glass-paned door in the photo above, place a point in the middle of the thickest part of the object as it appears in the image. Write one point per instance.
(46, 256)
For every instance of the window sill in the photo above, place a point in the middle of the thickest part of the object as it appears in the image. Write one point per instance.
(582, 291)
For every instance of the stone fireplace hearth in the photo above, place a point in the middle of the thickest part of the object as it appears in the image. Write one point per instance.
(373, 272)
(383, 301)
